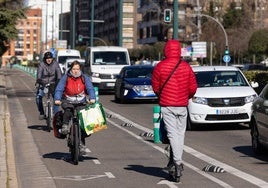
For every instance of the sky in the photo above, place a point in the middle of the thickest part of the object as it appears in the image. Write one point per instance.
(50, 15)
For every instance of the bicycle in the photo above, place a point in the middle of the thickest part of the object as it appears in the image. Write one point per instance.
(48, 107)
(74, 134)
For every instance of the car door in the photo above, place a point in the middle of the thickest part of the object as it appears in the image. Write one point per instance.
(262, 114)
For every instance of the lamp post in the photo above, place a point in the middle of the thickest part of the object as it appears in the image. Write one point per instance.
(61, 20)
(46, 23)
(175, 19)
(91, 31)
(92, 23)
(120, 21)
(73, 24)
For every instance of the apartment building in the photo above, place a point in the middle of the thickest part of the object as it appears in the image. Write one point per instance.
(28, 44)
(107, 13)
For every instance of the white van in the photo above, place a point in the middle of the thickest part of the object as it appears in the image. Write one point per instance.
(103, 64)
(70, 61)
(64, 54)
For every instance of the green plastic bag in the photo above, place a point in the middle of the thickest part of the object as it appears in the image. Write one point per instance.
(92, 118)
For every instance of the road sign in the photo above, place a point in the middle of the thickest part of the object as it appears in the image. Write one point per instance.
(199, 49)
(61, 44)
(226, 58)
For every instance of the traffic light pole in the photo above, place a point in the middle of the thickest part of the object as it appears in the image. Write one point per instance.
(225, 34)
(175, 19)
(92, 23)
(73, 25)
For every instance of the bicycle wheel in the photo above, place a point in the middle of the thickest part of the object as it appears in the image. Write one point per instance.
(75, 143)
(49, 116)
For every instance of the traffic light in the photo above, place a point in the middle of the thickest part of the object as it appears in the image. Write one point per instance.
(80, 38)
(167, 15)
(226, 51)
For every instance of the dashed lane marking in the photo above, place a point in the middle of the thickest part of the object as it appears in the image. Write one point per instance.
(96, 161)
(247, 177)
(83, 177)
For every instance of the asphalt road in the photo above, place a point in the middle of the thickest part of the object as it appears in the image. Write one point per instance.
(119, 156)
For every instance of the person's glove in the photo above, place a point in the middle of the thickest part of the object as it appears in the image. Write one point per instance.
(39, 81)
(91, 101)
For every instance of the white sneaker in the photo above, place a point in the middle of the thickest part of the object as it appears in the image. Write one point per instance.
(64, 129)
(82, 149)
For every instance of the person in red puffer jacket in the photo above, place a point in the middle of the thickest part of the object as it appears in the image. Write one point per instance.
(173, 99)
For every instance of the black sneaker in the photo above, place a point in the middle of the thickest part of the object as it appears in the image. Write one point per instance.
(170, 166)
(178, 172)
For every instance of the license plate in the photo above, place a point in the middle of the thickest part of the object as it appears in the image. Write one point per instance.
(110, 84)
(147, 92)
(227, 111)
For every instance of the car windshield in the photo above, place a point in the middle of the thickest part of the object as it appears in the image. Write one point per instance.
(220, 79)
(62, 59)
(110, 58)
(139, 73)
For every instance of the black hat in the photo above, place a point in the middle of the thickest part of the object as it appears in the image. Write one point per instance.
(48, 55)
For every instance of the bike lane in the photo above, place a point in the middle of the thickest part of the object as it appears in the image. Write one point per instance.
(105, 165)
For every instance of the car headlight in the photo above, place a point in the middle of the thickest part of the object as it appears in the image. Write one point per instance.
(200, 100)
(94, 74)
(250, 98)
(140, 88)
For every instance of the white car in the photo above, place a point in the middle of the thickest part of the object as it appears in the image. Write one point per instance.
(223, 96)
(69, 62)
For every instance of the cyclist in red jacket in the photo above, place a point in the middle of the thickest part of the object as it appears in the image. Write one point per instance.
(75, 87)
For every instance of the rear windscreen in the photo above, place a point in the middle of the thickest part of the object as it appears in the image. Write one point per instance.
(62, 59)
(110, 58)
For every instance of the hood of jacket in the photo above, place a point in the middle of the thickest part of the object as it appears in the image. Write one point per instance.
(172, 49)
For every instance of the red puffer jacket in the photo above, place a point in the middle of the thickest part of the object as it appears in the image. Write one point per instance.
(182, 84)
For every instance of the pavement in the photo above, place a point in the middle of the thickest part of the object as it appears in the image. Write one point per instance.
(8, 177)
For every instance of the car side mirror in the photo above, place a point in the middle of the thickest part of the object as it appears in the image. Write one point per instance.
(254, 84)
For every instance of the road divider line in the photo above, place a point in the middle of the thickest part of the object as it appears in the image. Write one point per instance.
(218, 181)
(247, 177)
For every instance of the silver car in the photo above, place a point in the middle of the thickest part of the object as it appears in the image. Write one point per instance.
(259, 122)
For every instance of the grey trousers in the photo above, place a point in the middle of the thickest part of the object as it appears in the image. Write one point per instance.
(175, 119)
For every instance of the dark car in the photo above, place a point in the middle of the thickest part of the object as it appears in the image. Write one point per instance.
(134, 83)
(254, 67)
(259, 122)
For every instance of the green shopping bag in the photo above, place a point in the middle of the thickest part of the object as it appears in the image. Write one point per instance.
(92, 118)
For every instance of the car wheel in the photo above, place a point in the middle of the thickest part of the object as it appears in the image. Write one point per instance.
(256, 145)
(122, 99)
(116, 99)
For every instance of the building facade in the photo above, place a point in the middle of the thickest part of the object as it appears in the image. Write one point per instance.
(28, 44)
(107, 21)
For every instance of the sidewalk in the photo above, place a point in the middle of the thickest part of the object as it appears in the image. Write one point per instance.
(8, 178)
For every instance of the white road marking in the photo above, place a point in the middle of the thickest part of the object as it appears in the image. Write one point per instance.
(247, 177)
(83, 177)
(221, 183)
(88, 150)
(96, 161)
(168, 183)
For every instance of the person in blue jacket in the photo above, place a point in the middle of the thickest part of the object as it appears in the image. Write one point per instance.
(74, 87)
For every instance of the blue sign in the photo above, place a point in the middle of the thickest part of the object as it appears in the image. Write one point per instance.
(226, 58)
(53, 51)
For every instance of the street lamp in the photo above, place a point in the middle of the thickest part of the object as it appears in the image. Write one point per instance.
(91, 21)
